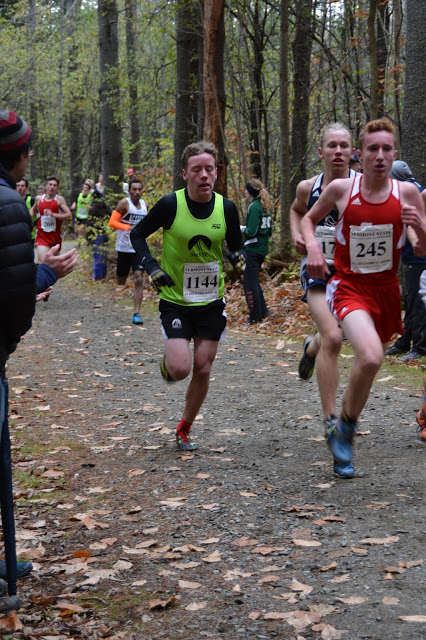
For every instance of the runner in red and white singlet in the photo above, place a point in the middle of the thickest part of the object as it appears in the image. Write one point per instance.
(364, 292)
(51, 210)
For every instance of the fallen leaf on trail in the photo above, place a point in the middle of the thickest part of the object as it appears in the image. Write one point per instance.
(306, 543)
(390, 601)
(254, 615)
(363, 433)
(102, 375)
(328, 567)
(231, 574)
(289, 597)
(324, 485)
(44, 407)
(162, 604)
(377, 505)
(302, 619)
(299, 586)
(196, 606)
(245, 541)
(276, 615)
(268, 578)
(385, 379)
(81, 553)
(359, 552)
(99, 574)
(306, 416)
(374, 541)
(353, 600)
(138, 583)
(248, 494)
(388, 576)
(411, 563)
(203, 476)
(347, 355)
(219, 450)
(185, 565)
(185, 584)
(53, 473)
(69, 606)
(328, 632)
(135, 472)
(213, 557)
(96, 490)
(280, 344)
(394, 569)
(322, 609)
(122, 565)
(210, 541)
(134, 510)
(418, 618)
(281, 363)
(208, 507)
(265, 551)
(343, 578)
(152, 447)
(11, 622)
(149, 408)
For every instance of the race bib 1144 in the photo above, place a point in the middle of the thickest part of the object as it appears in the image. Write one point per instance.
(201, 282)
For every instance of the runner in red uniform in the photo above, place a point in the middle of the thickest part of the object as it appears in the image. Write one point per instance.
(364, 292)
(51, 210)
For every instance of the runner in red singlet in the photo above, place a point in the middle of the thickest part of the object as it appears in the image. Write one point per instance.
(364, 292)
(51, 210)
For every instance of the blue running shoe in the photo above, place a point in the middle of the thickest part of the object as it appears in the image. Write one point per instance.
(22, 569)
(344, 471)
(329, 424)
(339, 441)
(137, 319)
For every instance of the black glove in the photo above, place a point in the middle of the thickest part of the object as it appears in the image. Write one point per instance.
(238, 261)
(159, 279)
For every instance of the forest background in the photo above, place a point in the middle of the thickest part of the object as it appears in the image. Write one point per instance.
(118, 84)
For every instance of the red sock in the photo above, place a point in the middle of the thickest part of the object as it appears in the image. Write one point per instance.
(183, 426)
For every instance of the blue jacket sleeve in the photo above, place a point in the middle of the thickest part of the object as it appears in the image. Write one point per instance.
(45, 277)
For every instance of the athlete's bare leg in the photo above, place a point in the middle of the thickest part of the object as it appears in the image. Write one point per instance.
(138, 292)
(359, 329)
(41, 252)
(204, 355)
(326, 346)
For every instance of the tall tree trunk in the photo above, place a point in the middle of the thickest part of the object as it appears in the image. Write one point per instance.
(135, 142)
(382, 55)
(302, 47)
(397, 26)
(285, 237)
(61, 89)
(214, 83)
(34, 165)
(372, 47)
(414, 120)
(75, 113)
(112, 154)
(188, 40)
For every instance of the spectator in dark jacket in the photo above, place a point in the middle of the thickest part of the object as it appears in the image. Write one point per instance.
(20, 281)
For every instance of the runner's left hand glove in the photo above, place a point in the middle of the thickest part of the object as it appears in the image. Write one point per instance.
(159, 279)
(238, 261)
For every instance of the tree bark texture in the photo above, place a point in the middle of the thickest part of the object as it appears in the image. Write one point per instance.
(373, 59)
(214, 84)
(285, 237)
(75, 114)
(302, 47)
(112, 155)
(188, 47)
(414, 114)
(130, 11)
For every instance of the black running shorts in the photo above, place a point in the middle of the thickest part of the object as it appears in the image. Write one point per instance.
(204, 321)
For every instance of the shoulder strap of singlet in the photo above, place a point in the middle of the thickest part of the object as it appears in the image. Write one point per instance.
(317, 184)
(356, 186)
(352, 173)
(395, 189)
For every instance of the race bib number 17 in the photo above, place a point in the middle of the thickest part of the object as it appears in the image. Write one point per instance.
(371, 248)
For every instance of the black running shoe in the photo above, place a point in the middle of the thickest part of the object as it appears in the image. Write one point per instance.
(306, 364)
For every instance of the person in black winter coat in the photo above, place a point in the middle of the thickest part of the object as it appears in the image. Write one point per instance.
(20, 282)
